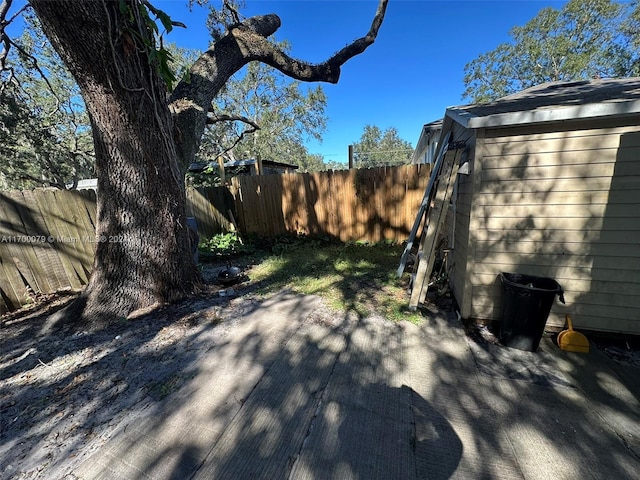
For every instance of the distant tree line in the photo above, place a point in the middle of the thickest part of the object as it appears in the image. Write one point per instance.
(378, 148)
(583, 40)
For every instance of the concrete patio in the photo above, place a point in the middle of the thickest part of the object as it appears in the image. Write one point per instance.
(290, 394)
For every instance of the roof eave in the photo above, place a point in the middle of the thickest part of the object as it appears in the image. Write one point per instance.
(573, 112)
(460, 116)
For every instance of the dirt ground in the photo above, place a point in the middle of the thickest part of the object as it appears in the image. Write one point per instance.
(63, 393)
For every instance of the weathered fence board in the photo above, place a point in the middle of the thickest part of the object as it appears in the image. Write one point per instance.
(210, 207)
(46, 243)
(369, 204)
(14, 291)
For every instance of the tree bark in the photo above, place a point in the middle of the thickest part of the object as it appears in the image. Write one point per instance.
(142, 255)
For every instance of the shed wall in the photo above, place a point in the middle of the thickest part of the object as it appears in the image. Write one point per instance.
(560, 201)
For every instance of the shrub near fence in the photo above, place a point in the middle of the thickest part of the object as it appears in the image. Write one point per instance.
(47, 236)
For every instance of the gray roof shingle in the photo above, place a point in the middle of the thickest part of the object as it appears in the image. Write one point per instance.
(554, 101)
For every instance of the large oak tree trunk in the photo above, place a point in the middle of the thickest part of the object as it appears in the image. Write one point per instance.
(143, 255)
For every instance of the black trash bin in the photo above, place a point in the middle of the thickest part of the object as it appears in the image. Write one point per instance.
(526, 302)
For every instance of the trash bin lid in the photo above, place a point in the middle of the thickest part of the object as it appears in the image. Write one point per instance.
(532, 283)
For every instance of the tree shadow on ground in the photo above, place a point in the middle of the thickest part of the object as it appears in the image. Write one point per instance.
(325, 398)
(61, 390)
(283, 388)
(356, 278)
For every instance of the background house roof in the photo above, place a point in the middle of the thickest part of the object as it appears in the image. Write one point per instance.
(199, 166)
(246, 163)
(429, 132)
(554, 101)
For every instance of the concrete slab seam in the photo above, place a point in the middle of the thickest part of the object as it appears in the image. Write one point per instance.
(240, 410)
(317, 410)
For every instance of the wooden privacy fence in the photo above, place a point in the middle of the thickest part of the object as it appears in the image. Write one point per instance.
(47, 243)
(47, 236)
(368, 204)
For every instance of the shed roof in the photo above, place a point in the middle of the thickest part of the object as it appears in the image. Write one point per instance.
(554, 101)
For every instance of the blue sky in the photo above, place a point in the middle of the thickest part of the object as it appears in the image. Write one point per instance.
(407, 78)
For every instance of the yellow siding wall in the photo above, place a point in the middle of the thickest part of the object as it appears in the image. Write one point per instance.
(562, 204)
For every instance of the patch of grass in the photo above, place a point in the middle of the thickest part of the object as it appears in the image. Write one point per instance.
(355, 277)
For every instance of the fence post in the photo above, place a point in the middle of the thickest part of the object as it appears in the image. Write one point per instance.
(221, 166)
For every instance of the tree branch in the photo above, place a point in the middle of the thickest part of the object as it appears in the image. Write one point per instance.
(245, 42)
(36, 66)
(234, 13)
(360, 45)
(223, 117)
(240, 137)
(217, 118)
(255, 46)
(4, 38)
(4, 10)
(52, 183)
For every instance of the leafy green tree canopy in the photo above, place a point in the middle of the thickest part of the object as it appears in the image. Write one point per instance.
(45, 136)
(583, 40)
(377, 148)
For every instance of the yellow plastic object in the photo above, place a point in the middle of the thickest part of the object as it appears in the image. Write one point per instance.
(561, 336)
(572, 341)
